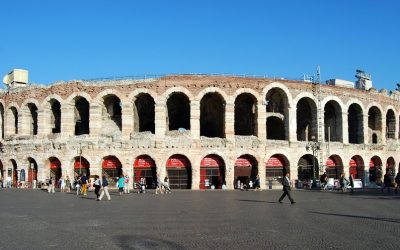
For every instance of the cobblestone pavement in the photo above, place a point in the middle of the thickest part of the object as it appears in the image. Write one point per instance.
(33, 219)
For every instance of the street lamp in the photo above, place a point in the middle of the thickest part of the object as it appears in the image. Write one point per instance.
(80, 158)
(314, 147)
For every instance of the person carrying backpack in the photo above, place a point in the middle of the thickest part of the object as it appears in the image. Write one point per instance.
(104, 188)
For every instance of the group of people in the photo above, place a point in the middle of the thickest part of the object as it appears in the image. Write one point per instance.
(249, 184)
(7, 183)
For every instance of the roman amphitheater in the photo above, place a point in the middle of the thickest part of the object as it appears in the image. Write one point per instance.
(202, 131)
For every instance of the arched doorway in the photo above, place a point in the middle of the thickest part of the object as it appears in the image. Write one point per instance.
(246, 169)
(390, 167)
(357, 167)
(212, 172)
(275, 169)
(55, 170)
(179, 172)
(14, 173)
(306, 169)
(81, 166)
(334, 166)
(145, 167)
(2, 172)
(375, 170)
(32, 172)
(112, 169)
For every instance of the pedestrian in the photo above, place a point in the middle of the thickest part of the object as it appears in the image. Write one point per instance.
(62, 184)
(127, 189)
(397, 180)
(68, 184)
(8, 179)
(159, 187)
(104, 188)
(257, 184)
(97, 186)
(351, 183)
(286, 183)
(324, 181)
(84, 182)
(166, 185)
(387, 182)
(343, 182)
(77, 184)
(121, 182)
(51, 185)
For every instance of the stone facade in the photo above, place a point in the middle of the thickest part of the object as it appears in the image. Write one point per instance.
(120, 122)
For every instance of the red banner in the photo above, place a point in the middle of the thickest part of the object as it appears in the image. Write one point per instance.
(81, 163)
(275, 162)
(111, 163)
(353, 163)
(177, 162)
(55, 164)
(330, 163)
(144, 162)
(211, 161)
(242, 162)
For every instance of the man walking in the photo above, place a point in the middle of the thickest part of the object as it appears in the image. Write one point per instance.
(84, 181)
(104, 190)
(286, 189)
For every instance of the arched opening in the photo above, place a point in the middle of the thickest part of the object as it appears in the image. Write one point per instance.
(178, 106)
(55, 170)
(246, 170)
(355, 124)
(246, 115)
(81, 116)
(357, 167)
(212, 172)
(2, 173)
(2, 120)
(390, 125)
(275, 129)
(33, 119)
(275, 169)
(111, 114)
(212, 116)
(144, 113)
(375, 170)
(179, 172)
(145, 167)
(81, 166)
(112, 169)
(334, 166)
(390, 167)
(306, 119)
(14, 173)
(374, 125)
(333, 121)
(306, 170)
(32, 172)
(55, 116)
(13, 120)
(277, 114)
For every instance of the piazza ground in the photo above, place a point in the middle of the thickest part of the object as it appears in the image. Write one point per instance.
(33, 219)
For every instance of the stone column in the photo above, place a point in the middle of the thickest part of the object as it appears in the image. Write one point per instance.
(95, 119)
(293, 124)
(383, 130)
(196, 175)
(345, 128)
(366, 129)
(127, 120)
(160, 120)
(67, 119)
(230, 121)
(230, 171)
(44, 126)
(261, 121)
(262, 173)
(195, 120)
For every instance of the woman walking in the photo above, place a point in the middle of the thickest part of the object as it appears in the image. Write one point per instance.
(97, 186)
(121, 182)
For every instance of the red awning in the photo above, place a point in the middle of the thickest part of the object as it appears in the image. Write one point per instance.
(111, 163)
(177, 162)
(330, 163)
(353, 163)
(243, 162)
(275, 162)
(55, 164)
(144, 162)
(77, 164)
(211, 161)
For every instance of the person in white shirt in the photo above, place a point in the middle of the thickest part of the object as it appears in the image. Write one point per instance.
(286, 189)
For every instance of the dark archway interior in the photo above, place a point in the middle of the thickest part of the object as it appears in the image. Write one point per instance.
(178, 105)
(212, 116)
(144, 113)
(81, 116)
(275, 128)
(333, 121)
(306, 120)
(14, 113)
(2, 120)
(277, 122)
(113, 112)
(55, 116)
(245, 115)
(390, 125)
(33, 119)
(305, 167)
(355, 124)
(374, 124)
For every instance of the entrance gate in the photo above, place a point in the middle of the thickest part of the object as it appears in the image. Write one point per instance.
(112, 170)
(145, 167)
(55, 170)
(245, 171)
(212, 172)
(179, 172)
(81, 166)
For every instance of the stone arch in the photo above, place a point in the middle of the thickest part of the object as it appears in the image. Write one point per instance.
(111, 168)
(172, 90)
(307, 168)
(277, 114)
(333, 123)
(306, 119)
(249, 91)
(357, 167)
(276, 167)
(246, 114)
(12, 119)
(390, 166)
(375, 170)
(111, 114)
(81, 115)
(212, 171)
(144, 112)
(390, 124)
(375, 124)
(280, 86)
(29, 113)
(355, 120)
(179, 171)
(209, 90)
(334, 166)
(245, 170)
(74, 96)
(178, 110)
(14, 177)
(212, 115)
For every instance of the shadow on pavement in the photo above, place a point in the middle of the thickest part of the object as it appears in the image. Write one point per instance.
(144, 242)
(359, 217)
(259, 201)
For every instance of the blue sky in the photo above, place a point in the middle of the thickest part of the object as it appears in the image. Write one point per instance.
(77, 39)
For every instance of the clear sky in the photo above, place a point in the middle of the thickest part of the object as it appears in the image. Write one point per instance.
(78, 39)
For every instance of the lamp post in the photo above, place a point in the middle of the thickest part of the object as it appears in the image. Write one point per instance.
(80, 158)
(314, 147)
